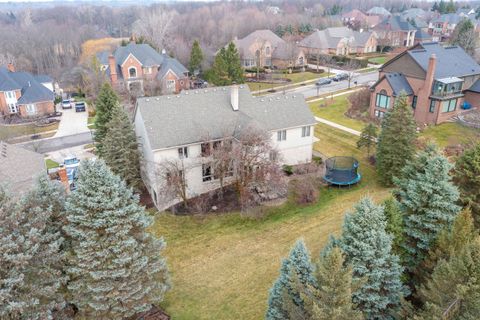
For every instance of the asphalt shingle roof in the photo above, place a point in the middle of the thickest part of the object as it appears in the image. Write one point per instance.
(193, 115)
(31, 89)
(244, 44)
(451, 61)
(475, 87)
(330, 37)
(171, 64)
(19, 168)
(381, 11)
(398, 83)
(396, 23)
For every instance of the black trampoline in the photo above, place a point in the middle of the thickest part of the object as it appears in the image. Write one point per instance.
(341, 171)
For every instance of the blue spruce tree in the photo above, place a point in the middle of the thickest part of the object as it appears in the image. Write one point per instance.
(367, 247)
(114, 265)
(297, 268)
(427, 199)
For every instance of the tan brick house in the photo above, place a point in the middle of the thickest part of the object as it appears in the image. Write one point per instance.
(134, 65)
(25, 95)
(438, 80)
(395, 31)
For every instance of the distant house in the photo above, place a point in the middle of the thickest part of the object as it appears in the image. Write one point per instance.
(396, 31)
(19, 168)
(264, 47)
(364, 21)
(442, 26)
(175, 128)
(379, 11)
(24, 94)
(437, 80)
(340, 41)
(134, 64)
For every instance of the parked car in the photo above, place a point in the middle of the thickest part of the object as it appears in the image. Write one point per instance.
(80, 106)
(340, 77)
(323, 82)
(66, 104)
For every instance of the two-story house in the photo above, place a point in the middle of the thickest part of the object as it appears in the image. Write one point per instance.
(181, 127)
(435, 78)
(134, 64)
(24, 94)
(265, 49)
(396, 31)
(340, 41)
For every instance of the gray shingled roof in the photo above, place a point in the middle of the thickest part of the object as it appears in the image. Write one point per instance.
(396, 23)
(398, 83)
(475, 87)
(171, 64)
(19, 168)
(43, 78)
(330, 37)
(193, 115)
(31, 90)
(451, 61)
(381, 11)
(243, 45)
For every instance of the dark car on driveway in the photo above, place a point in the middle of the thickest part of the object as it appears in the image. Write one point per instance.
(323, 82)
(80, 106)
(340, 77)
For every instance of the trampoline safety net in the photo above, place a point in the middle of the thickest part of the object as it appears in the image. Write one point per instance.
(341, 171)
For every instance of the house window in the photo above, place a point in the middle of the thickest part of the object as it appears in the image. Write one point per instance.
(414, 102)
(171, 85)
(282, 135)
(267, 50)
(383, 100)
(30, 108)
(449, 105)
(306, 131)
(183, 152)
(432, 106)
(206, 172)
(12, 107)
(10, 95)
(300, 61)
(132, 72)
(273, 155)
(155, 198)
(206, 149)
(379, 114)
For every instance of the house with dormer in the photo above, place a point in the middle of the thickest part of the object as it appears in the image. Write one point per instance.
(134, 65)
(438, 80)
(176, 127)
(25, 95)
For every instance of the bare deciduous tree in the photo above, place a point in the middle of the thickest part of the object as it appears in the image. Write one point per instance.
(155, 26)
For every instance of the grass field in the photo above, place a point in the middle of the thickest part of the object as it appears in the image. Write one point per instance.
(378, 60)
(12, 131)
(51, 164)
(296, 78)
(451, 133)
(222, 266)
(334, 110)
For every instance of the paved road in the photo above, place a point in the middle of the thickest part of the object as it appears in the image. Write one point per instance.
(311, 90)
(54, 144)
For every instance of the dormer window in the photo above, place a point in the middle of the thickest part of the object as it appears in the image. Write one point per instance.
(132, 72)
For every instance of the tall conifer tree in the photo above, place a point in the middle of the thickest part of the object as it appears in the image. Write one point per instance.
(196, 58)
(106, 101)
(115, 266)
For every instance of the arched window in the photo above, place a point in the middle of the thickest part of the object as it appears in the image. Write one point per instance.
(132, 72)
(383, 100)
(267, 50)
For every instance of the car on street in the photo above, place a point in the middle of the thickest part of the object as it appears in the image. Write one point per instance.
(323, 82)
(66, 104)
(80, 106)
(340, 77)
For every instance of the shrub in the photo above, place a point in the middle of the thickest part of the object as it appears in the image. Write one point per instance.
(304, 190)
(317, 160)
(359, 103)
(287, 169)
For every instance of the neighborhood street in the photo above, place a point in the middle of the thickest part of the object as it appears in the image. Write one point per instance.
(54, 144)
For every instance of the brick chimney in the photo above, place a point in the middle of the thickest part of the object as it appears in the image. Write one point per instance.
(11, 67)
(113, 69)
(62, 174)
(432, 65)
(234, 96)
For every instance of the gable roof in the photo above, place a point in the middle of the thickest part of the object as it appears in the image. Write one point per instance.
(244, 45)
(354, 14)
(396, 23)
(475, 87)
(380, 11)
(451, 61)
(19, 167)
(330, 37)
(398, 83)
(169, 63)
(31, 90)
(191, 116)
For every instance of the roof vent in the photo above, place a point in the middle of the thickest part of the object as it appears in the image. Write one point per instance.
(178, 96)
(214, 89)
(262, 100)
(196, 91)
(224, 89)
(278, 98)
(186, 92)
(168, 97)
(205, 91)
(157, 98)
(270, 99)
(147, 100)
(294, 96)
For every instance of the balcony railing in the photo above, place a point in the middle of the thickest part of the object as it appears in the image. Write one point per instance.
(447, 95)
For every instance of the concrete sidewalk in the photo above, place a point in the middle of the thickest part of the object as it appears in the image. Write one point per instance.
(338, 126)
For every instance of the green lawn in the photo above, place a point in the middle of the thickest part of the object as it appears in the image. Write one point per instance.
(451, 134)
(223, 265)
(334, 110)
(378, 60)
(296, 78)
(367, 70)
(51, 164)
(12, 131)
(91, 122)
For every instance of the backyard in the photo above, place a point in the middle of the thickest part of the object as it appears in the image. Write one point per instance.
(223, 265)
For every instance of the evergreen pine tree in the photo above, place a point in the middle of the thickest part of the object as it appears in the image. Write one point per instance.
(196, 58)
(31, 256)
(435, 6)
(296, 268)
(120, 149)
(367, 247)
(396, 141)
(467, 178)
(450, 8)
(368, 138)
(464, 35)
(235, 70)
(220, 69)
(442, 7)
(454, 290)
(106, 101)
(395, 225)
(332, 299)
(427, 199)
(115, 266)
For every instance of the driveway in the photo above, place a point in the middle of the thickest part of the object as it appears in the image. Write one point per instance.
(72, 123)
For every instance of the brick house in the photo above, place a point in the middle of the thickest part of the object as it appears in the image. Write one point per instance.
(134, 65)
(395, 31)
(269, 50)
(24, 94)
(340, 41)
(437, 80)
